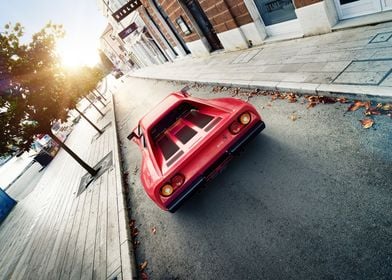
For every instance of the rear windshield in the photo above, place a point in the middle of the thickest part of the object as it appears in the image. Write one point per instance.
(170, 119)
(184, 133)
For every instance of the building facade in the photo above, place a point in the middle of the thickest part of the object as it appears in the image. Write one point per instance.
(178, 28)
(114, 49)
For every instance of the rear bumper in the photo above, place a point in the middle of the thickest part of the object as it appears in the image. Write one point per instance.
(200, 181)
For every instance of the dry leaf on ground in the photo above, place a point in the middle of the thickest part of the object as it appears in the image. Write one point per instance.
(367, 123)
(358, 104)
(144, 276)
(311, 105)
(143, 266)
(372, 111)
(293, 117)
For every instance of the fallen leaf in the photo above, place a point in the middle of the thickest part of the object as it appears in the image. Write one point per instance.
(132, 224)
(144, 276)
(387, 107)
(356, 105)
(292, 98)
(311, 105)
(342, 100)
(326, 100)
(367, 123)
(143, 266)
(154, 230)
(372, 111)
(134, 232)
(293, 117)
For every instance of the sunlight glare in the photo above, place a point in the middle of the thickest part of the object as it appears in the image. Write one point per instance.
(76, 53)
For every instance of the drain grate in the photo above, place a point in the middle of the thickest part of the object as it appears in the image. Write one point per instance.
(103, 165)
(381, 37)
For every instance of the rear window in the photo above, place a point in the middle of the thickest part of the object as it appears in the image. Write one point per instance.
(170, 119)
(163, 136)
(185, 134)
(167, 146)
(199, 119)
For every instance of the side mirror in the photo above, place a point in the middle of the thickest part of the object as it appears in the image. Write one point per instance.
(184, 91)
(133, 135)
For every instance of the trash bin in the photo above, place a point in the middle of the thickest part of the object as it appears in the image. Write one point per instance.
(6, 205)
(43, 158)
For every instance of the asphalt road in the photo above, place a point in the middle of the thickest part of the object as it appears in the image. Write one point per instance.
(308, 199)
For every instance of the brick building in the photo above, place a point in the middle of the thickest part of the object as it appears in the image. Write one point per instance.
(199, 27)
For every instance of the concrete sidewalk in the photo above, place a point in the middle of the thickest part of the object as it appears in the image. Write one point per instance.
(58, 232)
(352, 61)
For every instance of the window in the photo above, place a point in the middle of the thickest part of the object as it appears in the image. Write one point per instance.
(197, 118)
(185, 134)
(167, 146)
(168, 120)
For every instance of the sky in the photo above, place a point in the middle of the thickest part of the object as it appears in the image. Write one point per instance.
(81, 19)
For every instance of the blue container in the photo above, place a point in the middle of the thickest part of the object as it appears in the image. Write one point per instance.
(6, 205)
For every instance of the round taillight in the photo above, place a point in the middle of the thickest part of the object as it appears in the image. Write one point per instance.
(167, 190)
(245, 118)
(177, 180)
(235, 127)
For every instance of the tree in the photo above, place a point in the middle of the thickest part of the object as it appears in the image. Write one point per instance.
(35, 91)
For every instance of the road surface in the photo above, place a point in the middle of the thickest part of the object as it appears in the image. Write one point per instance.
(309, 199)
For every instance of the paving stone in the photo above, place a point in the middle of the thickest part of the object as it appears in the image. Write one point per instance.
(313, 67)
(335, 66)
(291, 67)
(370, 65)
(381, 37)
(387, 82)
(360, 78)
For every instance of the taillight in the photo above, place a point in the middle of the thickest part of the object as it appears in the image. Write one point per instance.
(178, 180)
(167, 190)
(245, 118)
(235, 127)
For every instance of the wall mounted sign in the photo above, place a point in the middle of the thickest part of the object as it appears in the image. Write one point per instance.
(183, 26)
(126, 9)
(128, 30)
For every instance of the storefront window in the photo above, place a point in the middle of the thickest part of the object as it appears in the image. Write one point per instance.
(275, 11)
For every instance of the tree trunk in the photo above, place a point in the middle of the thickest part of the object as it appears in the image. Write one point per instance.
(90, 122)
(101, 94)
(96, 108)
(88, 168)
(99, 99)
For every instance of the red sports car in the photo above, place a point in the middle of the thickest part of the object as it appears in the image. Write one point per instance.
(186, 141)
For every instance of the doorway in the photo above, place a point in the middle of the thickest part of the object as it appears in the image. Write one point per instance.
(278, 16)
(354, 8)
(204, 24)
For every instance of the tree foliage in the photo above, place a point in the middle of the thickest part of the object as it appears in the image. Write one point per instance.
(35, 91)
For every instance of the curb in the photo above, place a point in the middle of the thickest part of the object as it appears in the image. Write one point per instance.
(360, 92)
(126, 249)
